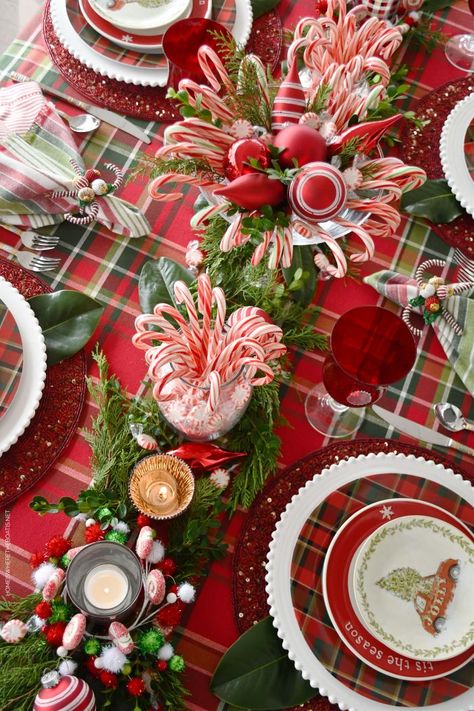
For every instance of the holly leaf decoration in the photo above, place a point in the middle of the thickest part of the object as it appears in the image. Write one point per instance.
(301, 276)
(260, 7)
(156, 282)
(68, 319)
(256, 673)
(433, 201)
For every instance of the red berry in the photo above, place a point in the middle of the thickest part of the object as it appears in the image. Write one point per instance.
(36, 559)
(143, 520)
(90, 666)
(108, 679)
(44, 610)
(170, 615)
(58, 546)
(161, 665)
(136, 686)
(95, 533)
(91, 174)
(168, 566)
(54, 633)
(432, 304)
(409, 21)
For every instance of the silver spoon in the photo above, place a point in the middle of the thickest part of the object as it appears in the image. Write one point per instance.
(451, 417)
(81, 123)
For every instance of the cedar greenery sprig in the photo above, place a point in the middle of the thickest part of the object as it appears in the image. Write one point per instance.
(21, 667)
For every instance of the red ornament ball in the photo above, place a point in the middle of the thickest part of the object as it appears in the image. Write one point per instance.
(161, 665)
(318, 192)
(54, 633)
(136, 686)
(300, 142)
(253, 190)
(36, 559)
(168, 566)
(57, 546)
(143, 520)
(95, 533)
(432, 304)
(239, 155)
(44, 610)
(92, 174)
(69, 693)
(108, 679)
(89, 664)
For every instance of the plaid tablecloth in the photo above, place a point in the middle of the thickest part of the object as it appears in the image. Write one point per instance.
(107, 267)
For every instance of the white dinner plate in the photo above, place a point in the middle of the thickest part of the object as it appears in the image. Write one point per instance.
(141, 18)
(453, 153)
(280, 557)
(28, 395)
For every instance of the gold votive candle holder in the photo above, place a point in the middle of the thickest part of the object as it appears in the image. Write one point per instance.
(161, 486)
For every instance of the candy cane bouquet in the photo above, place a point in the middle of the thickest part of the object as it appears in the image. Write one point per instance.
(283, 166)
(205, 365)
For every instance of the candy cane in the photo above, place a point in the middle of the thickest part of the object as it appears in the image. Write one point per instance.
(446, 290)
(208, 99)
(214, 390)
(406, 317)
(213, 69)
(228, 241)
(184, 296)
(451, 321)
(200, 218)
(164, 380)
(178, 178)
(262, 87)
(221, 306)
(205, 298)
(93, 208)
(119, 175)
(340, 269)
(424, 266)
(261, 249)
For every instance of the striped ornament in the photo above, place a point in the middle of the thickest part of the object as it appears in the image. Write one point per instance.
(318, 192)
(70, 694)
(290, 102)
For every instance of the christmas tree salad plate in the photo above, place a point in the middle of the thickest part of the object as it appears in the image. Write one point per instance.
(413, 584)
(456, 152)
(142, 17)
(29, 389)
(11, 358)
(294, 583)
(338, 574)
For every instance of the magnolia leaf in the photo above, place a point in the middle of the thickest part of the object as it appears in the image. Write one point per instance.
(303, 259)
(260, 7)
(256, 673)
(434, 201)
(430, 6)
(68, 319)
(156, 282)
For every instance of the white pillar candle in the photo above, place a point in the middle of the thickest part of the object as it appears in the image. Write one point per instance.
(105, 586)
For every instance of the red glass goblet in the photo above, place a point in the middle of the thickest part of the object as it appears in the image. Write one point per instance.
(459, 50)
(371, 347)
(181, 43)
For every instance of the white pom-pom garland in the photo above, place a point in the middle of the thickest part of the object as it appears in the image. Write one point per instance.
(61, 651)
(113, 660)
(166, 652)
(90, 522)
(121, 527)
(67, 667)
(186, 592)
(42, 574)
(171, 598)
(157, 552)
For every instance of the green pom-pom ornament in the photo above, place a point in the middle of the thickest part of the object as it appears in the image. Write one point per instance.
(176, 663)
(150, 641)
(61, 612)
(104, 512)
(65, 561)
(116, 536)
(92, 647)
(127, 669)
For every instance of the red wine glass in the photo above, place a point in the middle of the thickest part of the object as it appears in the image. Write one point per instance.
(459, 50)
(181, 43)
(371, 347)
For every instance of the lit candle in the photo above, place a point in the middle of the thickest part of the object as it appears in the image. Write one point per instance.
(105, 586)
(161, 491)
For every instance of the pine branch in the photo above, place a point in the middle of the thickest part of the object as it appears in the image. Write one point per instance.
(21, 667)
(150, 167)
(19, 607)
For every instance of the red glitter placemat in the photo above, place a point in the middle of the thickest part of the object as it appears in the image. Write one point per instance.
(435, 108)
(250, 599)
(57, 416)
(144, 102)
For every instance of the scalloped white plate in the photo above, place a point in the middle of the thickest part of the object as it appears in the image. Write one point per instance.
(451, 148)
(280, 555)
(114, 69)
(28, 396)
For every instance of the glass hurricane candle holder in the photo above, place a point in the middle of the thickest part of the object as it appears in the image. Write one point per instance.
(189, 413)
(104, 581)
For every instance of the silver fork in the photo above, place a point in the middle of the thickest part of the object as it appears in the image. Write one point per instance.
(34, 240)
(32, 261)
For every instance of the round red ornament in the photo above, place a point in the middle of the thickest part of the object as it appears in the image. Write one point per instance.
(64, 692)
(290, 101)
(54, 633)
(108, 679)
(94, 533)
(253, 190)
(58, 546)
(318, 192)
(168, 566)
(301, 142)
(241, 152)
(161, 665)
(143, 520)
(136, 686)
(44, 610)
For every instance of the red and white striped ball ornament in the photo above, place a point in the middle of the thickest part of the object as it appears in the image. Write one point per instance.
(64, 692)
(290, 101)
(318, 192)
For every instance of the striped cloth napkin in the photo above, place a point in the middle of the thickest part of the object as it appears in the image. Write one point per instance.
(36, 149)
(459, 349)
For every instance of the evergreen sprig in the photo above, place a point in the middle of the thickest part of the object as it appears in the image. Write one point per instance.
(21, 667)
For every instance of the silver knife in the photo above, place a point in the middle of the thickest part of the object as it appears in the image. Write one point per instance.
(109, 117)
(425, 434)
